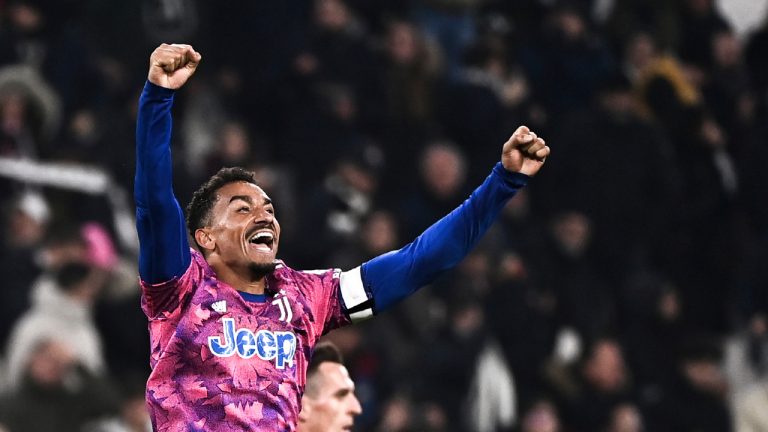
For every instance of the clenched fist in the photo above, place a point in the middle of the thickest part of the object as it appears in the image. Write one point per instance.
(170, 66)
(524, 152)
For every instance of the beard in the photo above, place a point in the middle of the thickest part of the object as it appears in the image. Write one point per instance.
(259, 270)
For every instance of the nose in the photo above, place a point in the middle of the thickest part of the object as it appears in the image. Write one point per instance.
(264, 217)
(354, 406)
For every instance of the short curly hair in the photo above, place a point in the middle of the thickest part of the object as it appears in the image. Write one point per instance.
(199, 208)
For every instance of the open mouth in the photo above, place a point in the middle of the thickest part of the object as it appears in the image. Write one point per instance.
(262, 241)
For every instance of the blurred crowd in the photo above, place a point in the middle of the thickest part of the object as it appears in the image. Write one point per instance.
(624, 290)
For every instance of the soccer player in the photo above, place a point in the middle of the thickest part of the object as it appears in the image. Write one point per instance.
(231, 327)
(329, 403)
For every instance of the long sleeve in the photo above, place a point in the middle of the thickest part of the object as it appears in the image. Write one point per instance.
(391, 277)
(164, 252)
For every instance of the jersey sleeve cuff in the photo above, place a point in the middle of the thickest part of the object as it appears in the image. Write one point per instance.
(357, 302)
(155, 92)
(515, 180)
(172, 282)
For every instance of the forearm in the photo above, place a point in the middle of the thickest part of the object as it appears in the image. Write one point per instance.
(395, 275)
(164, 250)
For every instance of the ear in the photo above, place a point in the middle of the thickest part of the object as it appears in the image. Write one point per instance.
(306, 410)
(204, 239)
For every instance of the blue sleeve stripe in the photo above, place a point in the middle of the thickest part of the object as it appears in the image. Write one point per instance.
(395, 275)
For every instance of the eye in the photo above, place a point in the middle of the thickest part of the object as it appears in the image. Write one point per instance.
(271, 211)
(244, 209)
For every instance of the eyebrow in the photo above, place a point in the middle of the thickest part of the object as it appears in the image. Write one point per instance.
(245, 198)
(248, 199)
(343, 392)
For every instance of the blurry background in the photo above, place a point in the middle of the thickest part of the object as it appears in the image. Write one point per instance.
(624, 290)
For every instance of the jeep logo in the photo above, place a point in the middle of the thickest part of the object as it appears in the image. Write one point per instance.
(278, 346)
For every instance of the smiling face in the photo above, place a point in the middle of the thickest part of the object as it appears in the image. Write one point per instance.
(242, 232)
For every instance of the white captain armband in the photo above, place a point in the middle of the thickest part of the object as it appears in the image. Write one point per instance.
(356, 301)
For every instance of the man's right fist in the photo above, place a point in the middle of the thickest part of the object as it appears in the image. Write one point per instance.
(170, 66)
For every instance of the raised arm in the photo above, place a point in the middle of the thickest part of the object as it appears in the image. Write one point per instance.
(390, 277)
(164, 250)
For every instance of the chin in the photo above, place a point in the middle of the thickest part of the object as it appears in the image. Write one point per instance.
(262, 268)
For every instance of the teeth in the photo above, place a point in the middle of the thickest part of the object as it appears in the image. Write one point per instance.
(262, 235)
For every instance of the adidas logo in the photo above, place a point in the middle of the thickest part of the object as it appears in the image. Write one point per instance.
(219, 306)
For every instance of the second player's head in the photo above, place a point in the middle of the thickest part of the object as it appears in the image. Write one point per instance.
(233, 223)
(329, 403)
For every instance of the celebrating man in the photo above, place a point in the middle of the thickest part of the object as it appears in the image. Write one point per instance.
(231, 327)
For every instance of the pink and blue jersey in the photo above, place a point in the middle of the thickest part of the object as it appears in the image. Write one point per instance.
(221, 363)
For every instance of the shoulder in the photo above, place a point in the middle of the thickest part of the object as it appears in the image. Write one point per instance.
(312, 284)
(198, 268)
(307, 276)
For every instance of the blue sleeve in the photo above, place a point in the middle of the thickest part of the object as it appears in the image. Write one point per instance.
(395, 275)
(163, 247)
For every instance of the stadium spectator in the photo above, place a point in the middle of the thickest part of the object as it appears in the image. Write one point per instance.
(378, 234)
(699, 21)
(697, 397)
(62, 312)
(412, 67)
(522, 315)
(482, 101)
(746, 355)
(408, 84)
(340, 203)
(31, 112)
(26, 229)
(56, 393)
(457, 382)
(590, 390)
(749, 409)
(631, 167)
(754, 56)
(651, 321)
(541, 416)
(709, 182)
(131, 415)
(234, 147)
(452, 24)
(568, 60)
(567, 266)
(397, 415)
(443, 171)
(728, 92)
(625, 418)
(746, 369)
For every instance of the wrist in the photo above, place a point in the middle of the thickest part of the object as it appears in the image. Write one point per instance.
(512, 178)
(156, 91)
(154, 88)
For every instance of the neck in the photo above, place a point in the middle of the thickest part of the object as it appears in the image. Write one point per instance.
(244, 281)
